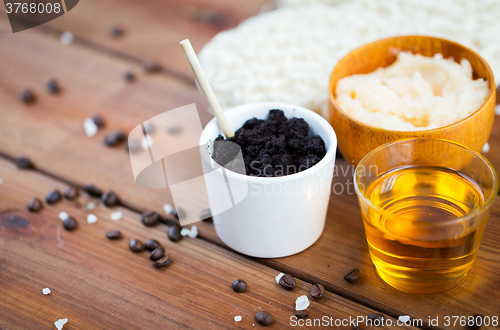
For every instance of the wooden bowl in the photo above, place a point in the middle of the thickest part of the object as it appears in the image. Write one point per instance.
(356, 139)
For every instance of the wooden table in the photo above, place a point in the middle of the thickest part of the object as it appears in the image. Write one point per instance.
(100, 284)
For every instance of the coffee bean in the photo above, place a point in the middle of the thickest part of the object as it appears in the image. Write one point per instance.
(151, 244)
(71, 192)
(34, 205)
(53, 197)
(27, 96)
(116, 31)
(174, 233)
(114, 138)
(352, 275)
(53, 86)
(287, 281)
(150, 218)
(129, 76)
(376, 319)
(157, 254)
(23, 162)
(69, 223)
(150, 66)
(239, 286)
(355, 327)
(98, 121)
(206, 215)
(162, 262)
(109, 198)
(477, 322)
(93, 190)
(113, 234)
(135, 245)
(178, 213)
(317, 291)
(264, 318)
(301, 314)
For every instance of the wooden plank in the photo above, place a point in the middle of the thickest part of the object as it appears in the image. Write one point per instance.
(99, 284)
(153, 28)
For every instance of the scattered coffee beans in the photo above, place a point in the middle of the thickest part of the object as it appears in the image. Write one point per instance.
(376, 318)
(135, 245)
(174, 233)
(34, 205)
(71, 192)
(264, 318)
(113, 234)
(157, 254)
(116, 31)
(27, 96)
(93, 190)
(109, 198)
(129, 76)
(23, 162)
(69, 223)
(53, 86)
(352, 275)
(355, 327)
(53, 197)
(239, 286)
(287, 281)
(301, 314)
(150, 218)
(150, 66)
(114, 138)
(151, 244)
(477, 323)
(162, 262)
(317, 291)
(98, 121)
(206, 215)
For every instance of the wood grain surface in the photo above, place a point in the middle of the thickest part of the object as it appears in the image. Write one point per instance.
(87, 272)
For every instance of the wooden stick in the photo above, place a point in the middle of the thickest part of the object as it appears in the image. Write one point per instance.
(206, 88)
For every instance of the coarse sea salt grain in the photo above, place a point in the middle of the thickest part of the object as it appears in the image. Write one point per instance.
(486, 148)
(116, 215)
(167, 208)
(147, 142)
(60, 323)
(301, 303)
(1, 180)
(46, 291)
(91, 218)
(193, 232)
(67, 38)
(497, 110)
(237, 318)
(185, 231)
(90, 127)
(63, 215)
(278, 277)
(404, 318)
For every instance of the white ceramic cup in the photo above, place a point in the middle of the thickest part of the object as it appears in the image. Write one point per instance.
(278, 216)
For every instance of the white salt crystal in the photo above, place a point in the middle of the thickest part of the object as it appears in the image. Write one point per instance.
(277, 278)
(90, 127)
(46, 291)
(60, 323)
(63, 215)
(67, 38)
(193, 232)
(168, 208)
(497, 110)
(1, 180)
(91, 218)
(185, 231)
(301, 303)
(486, 148)
(237, 318)
(116, 215)
(147, 142)
(404, 318)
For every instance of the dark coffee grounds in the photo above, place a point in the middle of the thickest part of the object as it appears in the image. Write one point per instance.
(273, 147)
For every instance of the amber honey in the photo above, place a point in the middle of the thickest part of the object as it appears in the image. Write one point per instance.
(427, 236)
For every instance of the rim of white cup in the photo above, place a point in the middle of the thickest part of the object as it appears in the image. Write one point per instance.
(330, 153)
